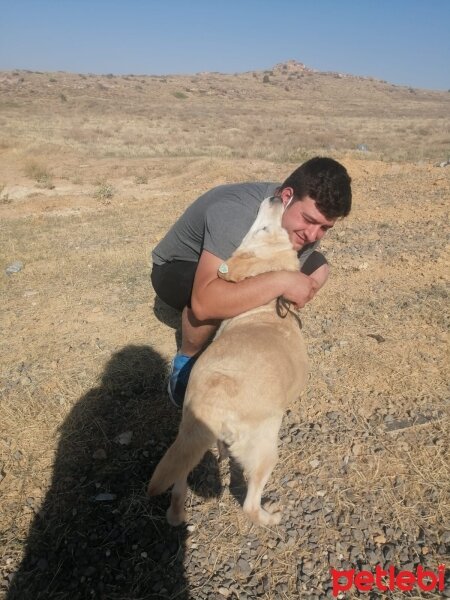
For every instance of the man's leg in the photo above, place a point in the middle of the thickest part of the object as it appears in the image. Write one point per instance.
(195, 334)
(173, 283)
(316, 266)
(320, 275)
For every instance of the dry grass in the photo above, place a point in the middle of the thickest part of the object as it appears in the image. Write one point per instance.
(84, 350)
(235, 116)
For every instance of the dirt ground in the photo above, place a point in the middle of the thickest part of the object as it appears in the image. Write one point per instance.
(364, 470)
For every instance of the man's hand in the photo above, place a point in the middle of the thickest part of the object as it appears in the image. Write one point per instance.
(299, 288)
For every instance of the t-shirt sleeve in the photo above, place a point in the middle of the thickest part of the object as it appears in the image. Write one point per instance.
(226, 224)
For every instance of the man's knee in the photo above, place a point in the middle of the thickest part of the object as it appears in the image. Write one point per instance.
(316, 266)
(320, 275)
(314, 261)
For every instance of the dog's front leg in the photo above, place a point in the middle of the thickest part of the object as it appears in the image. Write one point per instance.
(176, 513)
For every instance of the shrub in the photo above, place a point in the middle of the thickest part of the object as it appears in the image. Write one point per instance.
(104, 191)
(39, 174)
(180, 95)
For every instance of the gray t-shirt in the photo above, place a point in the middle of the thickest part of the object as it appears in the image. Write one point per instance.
(217, 222)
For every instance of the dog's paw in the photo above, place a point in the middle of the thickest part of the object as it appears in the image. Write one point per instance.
(273, 512)
(269, 515)
(175, 518)
(272, 507)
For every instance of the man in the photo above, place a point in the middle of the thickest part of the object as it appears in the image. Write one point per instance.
(186, 261)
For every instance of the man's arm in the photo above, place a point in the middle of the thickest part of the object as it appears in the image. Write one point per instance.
(214, 298)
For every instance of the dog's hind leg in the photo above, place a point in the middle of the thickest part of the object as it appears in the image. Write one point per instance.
(258, 462)
(223, 450)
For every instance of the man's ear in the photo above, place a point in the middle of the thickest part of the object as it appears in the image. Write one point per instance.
(286, 195)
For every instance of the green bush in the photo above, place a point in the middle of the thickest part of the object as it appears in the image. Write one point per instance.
(104, 191)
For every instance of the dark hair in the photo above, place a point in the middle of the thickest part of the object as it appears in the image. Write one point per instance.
(327, 182)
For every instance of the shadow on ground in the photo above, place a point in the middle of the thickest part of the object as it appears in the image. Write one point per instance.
(97, 535)
(169, 316)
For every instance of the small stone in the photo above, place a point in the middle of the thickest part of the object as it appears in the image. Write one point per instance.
(380, 539)
(124, 438)
(14, 267)
(314, 463)
(105, 497)
(99, 454)
(190, 528)
(308, 567)
(377, 337)
(223, 591)
(358, 535)
(243, 566)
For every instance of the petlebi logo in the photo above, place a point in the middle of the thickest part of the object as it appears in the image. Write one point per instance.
(388, 579)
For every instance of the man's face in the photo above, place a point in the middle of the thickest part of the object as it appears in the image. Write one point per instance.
(303, 221)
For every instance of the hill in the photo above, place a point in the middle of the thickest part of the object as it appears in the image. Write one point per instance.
(282, 114)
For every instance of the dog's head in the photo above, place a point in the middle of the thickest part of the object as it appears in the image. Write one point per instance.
(266, 247)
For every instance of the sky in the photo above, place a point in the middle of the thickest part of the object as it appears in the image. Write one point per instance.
(406, 42)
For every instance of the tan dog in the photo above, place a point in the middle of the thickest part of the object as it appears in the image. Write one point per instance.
(243, 382)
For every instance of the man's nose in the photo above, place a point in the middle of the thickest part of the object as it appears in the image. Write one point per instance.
(312, 233)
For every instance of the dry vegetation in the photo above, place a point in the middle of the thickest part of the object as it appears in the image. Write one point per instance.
(93, 171)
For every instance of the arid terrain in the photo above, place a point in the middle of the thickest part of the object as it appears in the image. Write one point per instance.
(93, 171)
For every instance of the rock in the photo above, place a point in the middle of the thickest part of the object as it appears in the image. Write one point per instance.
(243, 567)
(99, 454)
(314, 463)
(105, 497)
(14, 267)
(377, 337)
(124, 438)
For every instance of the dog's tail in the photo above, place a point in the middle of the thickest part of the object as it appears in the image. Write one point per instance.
(193, 440)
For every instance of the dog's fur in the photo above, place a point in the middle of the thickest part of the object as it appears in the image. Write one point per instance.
(243, 382)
